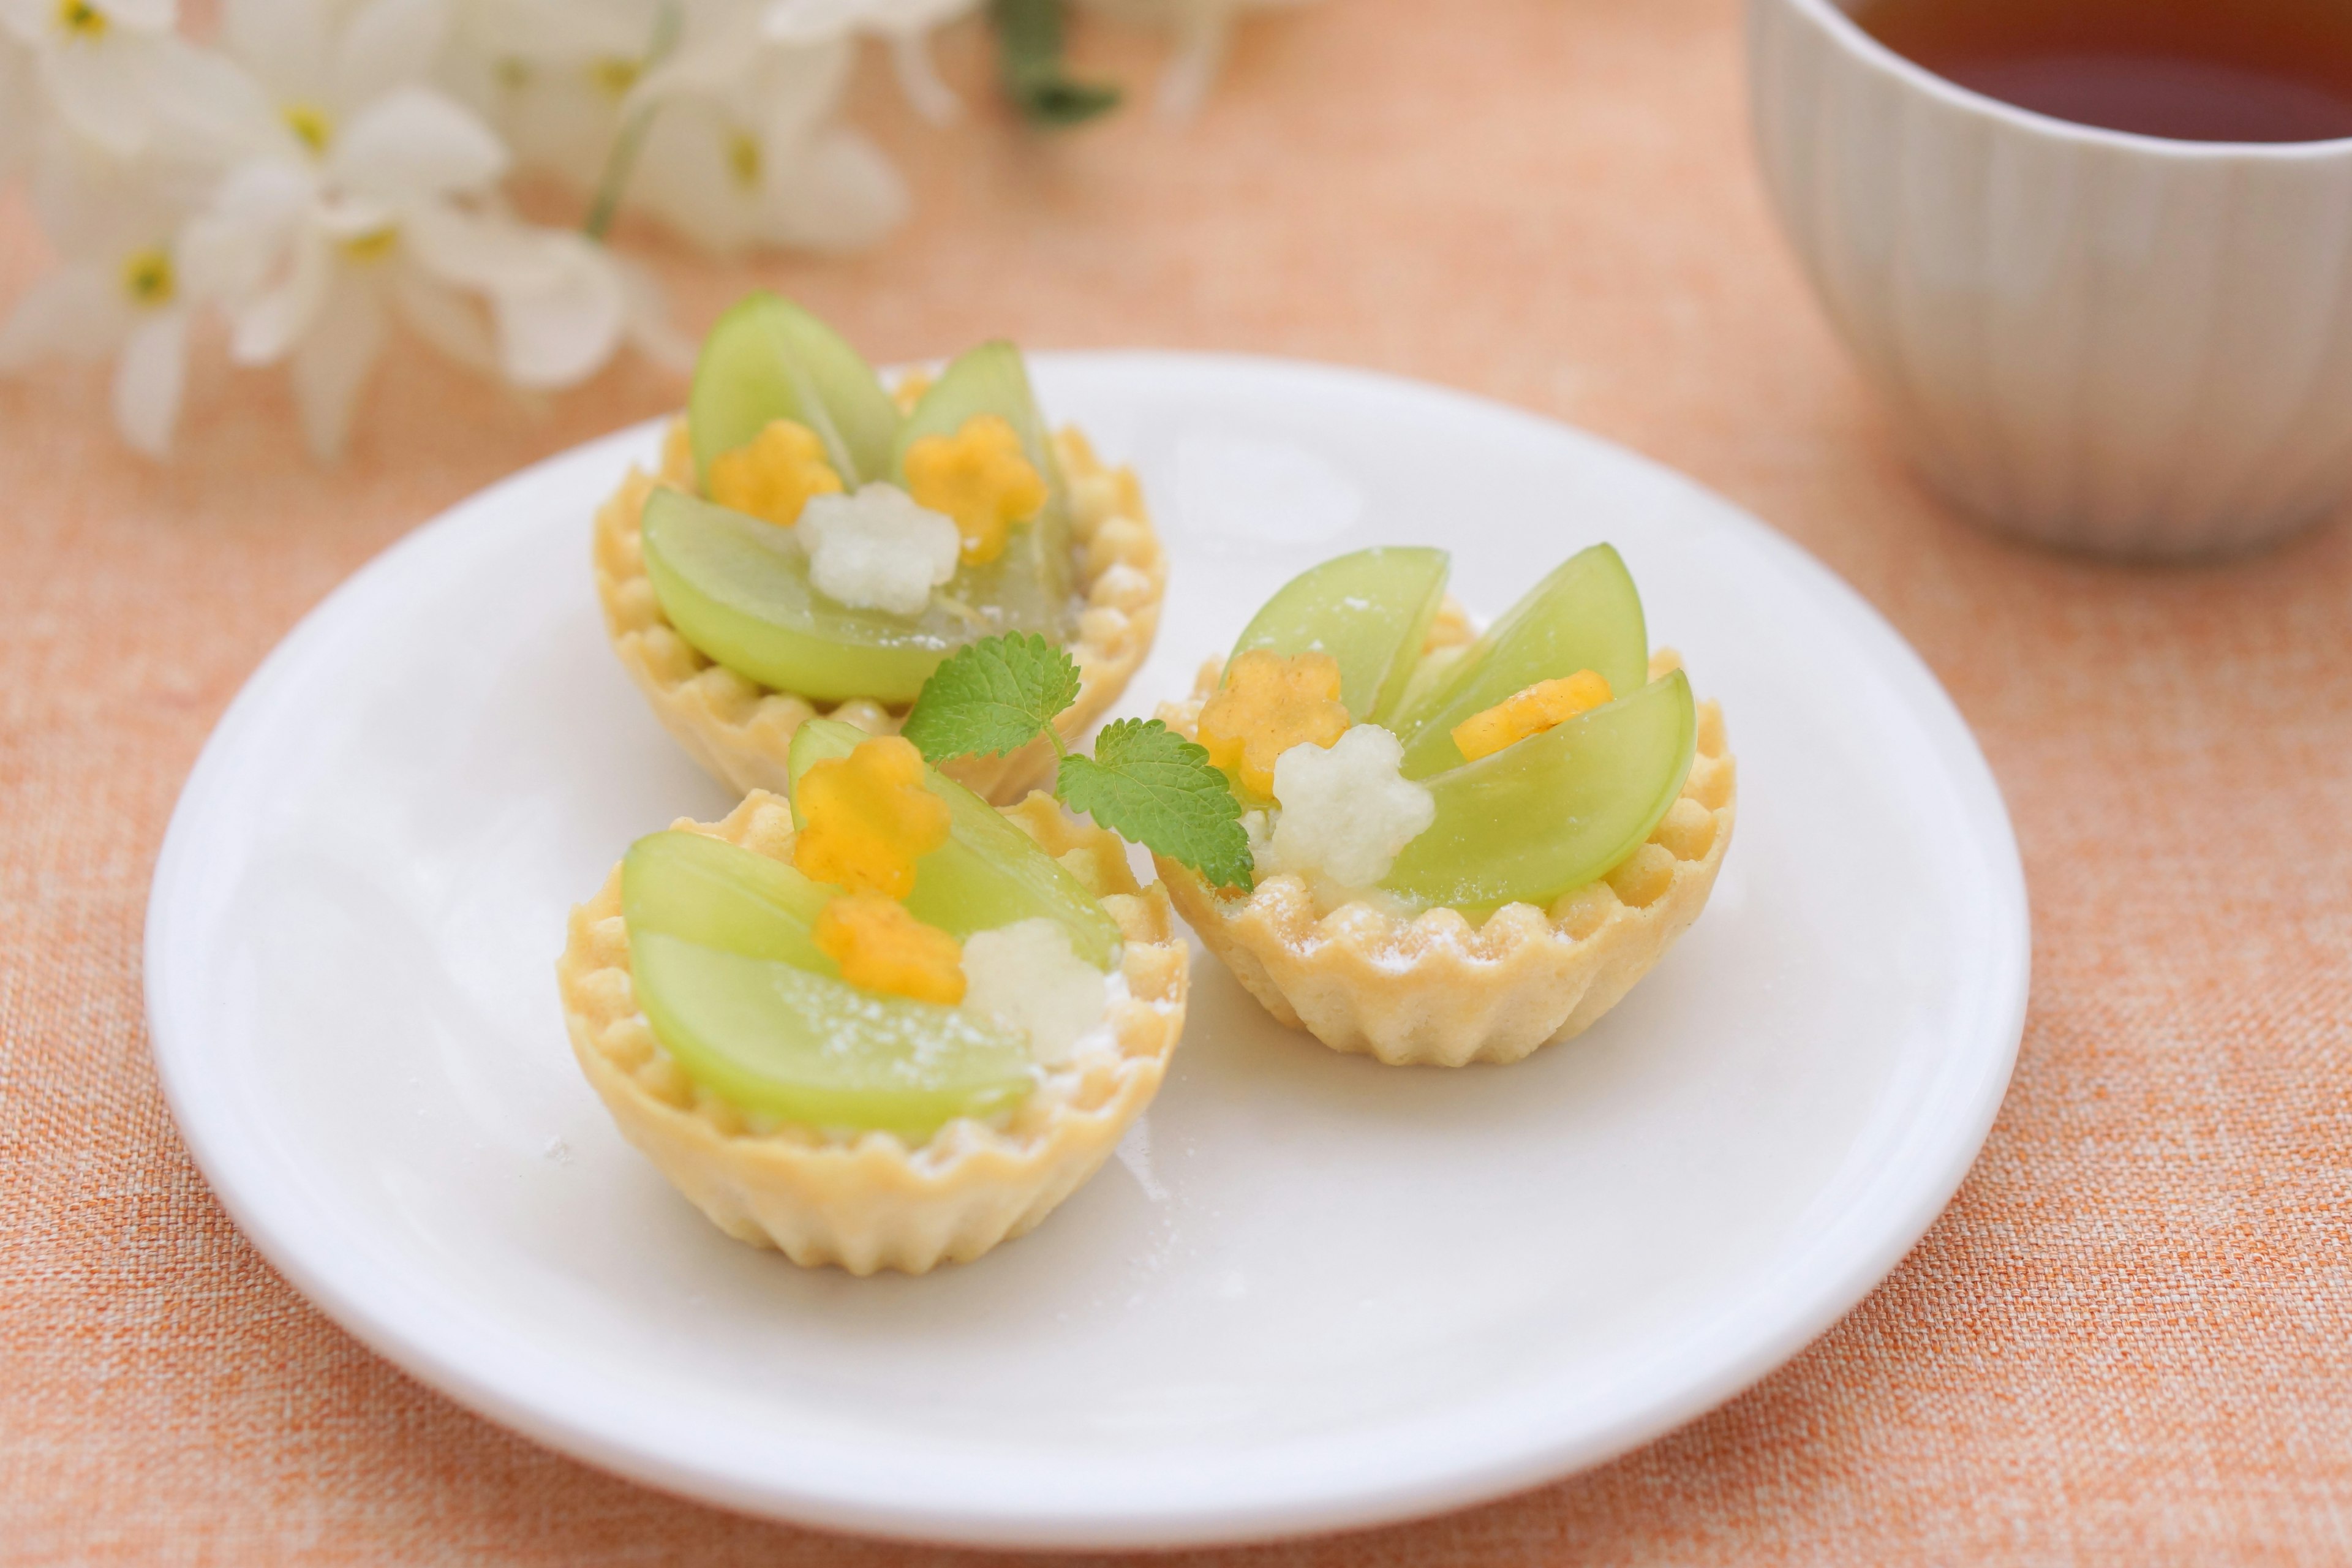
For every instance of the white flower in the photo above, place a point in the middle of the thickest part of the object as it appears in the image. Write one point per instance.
(1202, 29)
(552, 75)
(745, 149)
(107, 65)
(906, 26)
(1345, 812)
(364, 193)
(1027, 978)
(121, 290)
(876, 550)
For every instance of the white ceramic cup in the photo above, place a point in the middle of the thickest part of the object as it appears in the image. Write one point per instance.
(2095, 340)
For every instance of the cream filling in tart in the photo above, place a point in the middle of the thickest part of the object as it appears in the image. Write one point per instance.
(866, 1201)
(742, 732)
(1367, 974)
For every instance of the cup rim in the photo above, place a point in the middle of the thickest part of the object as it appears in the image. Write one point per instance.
(1833, 19)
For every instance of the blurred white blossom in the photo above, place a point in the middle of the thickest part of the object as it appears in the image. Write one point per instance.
(1202, 30)
(104, 66)
(313, 172)
(119, 292)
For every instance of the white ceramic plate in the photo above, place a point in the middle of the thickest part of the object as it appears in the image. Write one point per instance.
(1312, 1291)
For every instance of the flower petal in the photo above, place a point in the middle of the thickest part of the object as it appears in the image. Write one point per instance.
(449, 321)
(101, 89)
(795, 91)
(559, 335)
(800, 21)
(476, 252)
(288, 44)
(920, 82)
(717, 53)
(149, 379)
(647, 323)
(211, 112)
(141, 15)
(413, 143)
(247, 234)
(75, 312)
(331, 367)
(837, 192)
(386, 44)
(268, 329)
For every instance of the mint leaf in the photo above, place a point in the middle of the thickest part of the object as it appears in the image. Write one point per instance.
(992, 698)
(1147, 783)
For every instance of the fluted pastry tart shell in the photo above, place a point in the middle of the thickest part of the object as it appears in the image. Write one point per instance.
(867, 1201)
(1434, 989)
(741, 732)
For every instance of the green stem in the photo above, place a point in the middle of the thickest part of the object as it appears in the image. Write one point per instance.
(622, 162)
(1029, 36)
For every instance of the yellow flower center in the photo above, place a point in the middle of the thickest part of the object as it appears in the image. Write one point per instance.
(615, 74)
(865, 818)
(981, 479)
(1529, 711)
(147, 277)
(82, 19)
(881, 947)
(743, 158)
(374, 245)
(774, 475)
(1267, 704)
(312, 125)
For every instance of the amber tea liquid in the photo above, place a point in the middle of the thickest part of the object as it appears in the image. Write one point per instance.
(2195, 70)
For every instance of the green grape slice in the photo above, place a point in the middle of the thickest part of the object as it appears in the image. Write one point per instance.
(989, 873)
(1028, 587)
(1556, 811)
(737, 587)
(1371, 611)
(1586, 616)
(769, 359)
(773, 1037)
(716, 894)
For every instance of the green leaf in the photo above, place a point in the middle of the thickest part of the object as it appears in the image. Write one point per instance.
(1029, 61)
(992, 696)
(1148, 784)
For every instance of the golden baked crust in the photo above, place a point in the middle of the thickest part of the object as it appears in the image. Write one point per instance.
(1432, 989)
(870, 1202)
(742, 732)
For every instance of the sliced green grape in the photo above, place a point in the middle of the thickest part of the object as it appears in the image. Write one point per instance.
(737, 588)
(1028, 587)
(771, 1036)
(769, 359)
(1371, 611)
(708, 892)
(989, 873)
(1585, 615)
(1557, 810)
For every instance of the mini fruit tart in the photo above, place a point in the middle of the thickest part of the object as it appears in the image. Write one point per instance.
(883, 1026)
(814, 546)
(1462, 848)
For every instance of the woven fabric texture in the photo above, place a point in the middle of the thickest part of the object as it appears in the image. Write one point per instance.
(2129, 1341)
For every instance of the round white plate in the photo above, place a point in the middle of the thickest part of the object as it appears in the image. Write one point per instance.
(1312, 1291)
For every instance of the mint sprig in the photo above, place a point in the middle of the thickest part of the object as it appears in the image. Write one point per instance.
(992, 698)
(1145, 781)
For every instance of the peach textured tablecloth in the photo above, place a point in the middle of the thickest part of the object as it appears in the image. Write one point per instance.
(2129, 1341)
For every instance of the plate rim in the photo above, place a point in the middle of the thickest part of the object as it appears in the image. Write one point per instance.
(1805, 1313)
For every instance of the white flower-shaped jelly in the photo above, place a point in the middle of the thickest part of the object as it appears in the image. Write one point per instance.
(1346, 811)
(876, 550)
